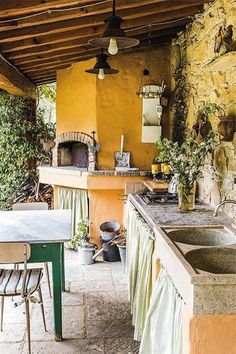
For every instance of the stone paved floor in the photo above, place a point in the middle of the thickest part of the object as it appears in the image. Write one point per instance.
(96, 315)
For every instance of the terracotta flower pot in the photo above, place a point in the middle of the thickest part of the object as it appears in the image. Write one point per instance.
(226, 127)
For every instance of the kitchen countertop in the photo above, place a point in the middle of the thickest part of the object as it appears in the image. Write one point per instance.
(203, 292)
(163, 214)
(63, 170)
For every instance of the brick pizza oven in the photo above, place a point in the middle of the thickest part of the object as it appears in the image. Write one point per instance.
(75, 149)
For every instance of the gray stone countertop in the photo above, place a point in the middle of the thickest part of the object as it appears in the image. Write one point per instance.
(163, 214)
(120, 173)
(72, 170)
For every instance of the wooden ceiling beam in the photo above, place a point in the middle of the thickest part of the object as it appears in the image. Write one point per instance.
(146, 42)
(14, 81)
(50, 65)
(92, 51)
(43, 76)
(71, 13)
(65, 54)
(46, 81)
(38, 31)
(75, 47)
(57, 54)
(24, 7)
(49, 61)
(34, 47)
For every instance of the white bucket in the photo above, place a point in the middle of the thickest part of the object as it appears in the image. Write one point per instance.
(86, 255)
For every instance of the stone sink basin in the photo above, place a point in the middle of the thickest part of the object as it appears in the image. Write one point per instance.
(202, 237)
(213, 260)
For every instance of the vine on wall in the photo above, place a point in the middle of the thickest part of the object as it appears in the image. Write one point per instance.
(179, 94)
(21, 136)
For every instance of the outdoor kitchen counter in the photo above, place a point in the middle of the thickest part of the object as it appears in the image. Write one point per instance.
(204, 292)
(168, 214)
(73, 177)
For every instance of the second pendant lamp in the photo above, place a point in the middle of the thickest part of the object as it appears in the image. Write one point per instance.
(114, 38)
(101, 68)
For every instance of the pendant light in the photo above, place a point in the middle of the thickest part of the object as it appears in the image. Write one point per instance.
(114, 38)
(102, 68)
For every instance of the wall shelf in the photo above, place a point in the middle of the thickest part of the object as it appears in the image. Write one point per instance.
(222, 63)
(150, 133)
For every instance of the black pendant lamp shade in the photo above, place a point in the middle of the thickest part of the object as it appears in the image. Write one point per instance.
(102, 63)
(114, 33)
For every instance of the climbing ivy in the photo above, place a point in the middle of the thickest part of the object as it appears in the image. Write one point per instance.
(48, 91)
(21, 136)
(179, 95)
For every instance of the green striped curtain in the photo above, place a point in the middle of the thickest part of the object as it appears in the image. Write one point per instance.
(77, 201)
(132, 251)
(163, 327)
(140, 245)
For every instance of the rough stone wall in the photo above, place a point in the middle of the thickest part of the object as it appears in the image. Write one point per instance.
(194, 82)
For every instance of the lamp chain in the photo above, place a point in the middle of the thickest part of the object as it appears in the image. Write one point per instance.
(113, 8)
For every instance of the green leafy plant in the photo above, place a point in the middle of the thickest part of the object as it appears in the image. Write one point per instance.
(21, 142)
(211, 109)
(186, 160)
(48, 91)
(82, 236)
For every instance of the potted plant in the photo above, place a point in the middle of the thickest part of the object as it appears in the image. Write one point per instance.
(202, 127)
(185, 162)
(81, 242)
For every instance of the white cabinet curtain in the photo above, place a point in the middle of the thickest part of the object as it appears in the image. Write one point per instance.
(163, 327)
(77, 201)
(139, 249)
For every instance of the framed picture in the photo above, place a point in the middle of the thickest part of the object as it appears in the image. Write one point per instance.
(122, 159)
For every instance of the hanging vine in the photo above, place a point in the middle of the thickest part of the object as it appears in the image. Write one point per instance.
(179, 107)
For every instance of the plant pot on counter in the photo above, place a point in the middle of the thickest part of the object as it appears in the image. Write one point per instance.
(226, 127)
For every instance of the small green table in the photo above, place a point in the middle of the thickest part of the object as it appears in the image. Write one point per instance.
(45, 231)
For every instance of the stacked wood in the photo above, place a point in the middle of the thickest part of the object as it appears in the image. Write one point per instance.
(31, 191)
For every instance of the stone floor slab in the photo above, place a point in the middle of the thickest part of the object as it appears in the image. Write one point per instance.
(12, 333)
(91, 286)
(108, 310)
(11, 348)
(96, 314)
(70, 298)
(121, 346)
(110, 329)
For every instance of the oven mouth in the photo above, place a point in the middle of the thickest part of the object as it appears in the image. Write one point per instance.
(75, 149)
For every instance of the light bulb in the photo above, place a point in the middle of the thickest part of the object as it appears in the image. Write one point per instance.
(112, 49)
(101, 74)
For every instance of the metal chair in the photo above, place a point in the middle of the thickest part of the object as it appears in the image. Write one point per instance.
(17, 282)
(35, 206)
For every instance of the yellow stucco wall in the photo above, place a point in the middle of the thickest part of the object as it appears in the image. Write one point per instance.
(111, 107)
(76, 100)
(208, 334)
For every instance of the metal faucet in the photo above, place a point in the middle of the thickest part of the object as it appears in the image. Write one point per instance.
(230, 201)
